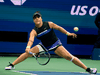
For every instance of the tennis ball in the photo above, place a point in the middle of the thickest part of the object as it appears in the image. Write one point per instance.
(76, 29)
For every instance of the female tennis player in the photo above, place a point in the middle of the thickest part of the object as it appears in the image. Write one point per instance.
(44, 32)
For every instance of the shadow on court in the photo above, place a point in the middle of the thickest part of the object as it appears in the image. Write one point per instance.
(54, 73)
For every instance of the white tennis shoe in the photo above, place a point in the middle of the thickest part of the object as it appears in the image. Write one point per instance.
(9, 67)
(93, 71)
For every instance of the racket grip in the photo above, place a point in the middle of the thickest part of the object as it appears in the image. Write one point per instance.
(30, 53)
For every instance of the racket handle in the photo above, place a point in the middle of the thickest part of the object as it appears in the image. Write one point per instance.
(32, 53)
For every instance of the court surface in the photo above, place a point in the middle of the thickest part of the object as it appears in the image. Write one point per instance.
(56, 66)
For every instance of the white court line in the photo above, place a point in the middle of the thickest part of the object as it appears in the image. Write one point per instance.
(23, 72)
(37, 74)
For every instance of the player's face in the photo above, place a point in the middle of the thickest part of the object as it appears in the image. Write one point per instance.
(37, 20)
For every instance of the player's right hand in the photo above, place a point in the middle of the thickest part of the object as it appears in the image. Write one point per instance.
(27, 50)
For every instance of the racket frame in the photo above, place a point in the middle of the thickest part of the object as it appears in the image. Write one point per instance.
(34, 54)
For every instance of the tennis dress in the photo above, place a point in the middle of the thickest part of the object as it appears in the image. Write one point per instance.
(47, 36)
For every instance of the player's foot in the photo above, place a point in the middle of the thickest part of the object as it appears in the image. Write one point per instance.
(91, 70)
(9, 67)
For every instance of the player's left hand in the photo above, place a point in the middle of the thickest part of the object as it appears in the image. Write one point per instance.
(73, 34)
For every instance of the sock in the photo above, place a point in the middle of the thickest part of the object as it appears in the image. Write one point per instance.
(11, 64)
(88, 69)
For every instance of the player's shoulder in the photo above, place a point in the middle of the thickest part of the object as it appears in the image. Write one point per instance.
(33, 31)
(50, 22)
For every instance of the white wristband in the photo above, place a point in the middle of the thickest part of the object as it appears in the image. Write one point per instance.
(68, 33)
(28, 47)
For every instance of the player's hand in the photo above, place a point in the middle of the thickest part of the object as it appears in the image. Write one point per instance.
(73, 34)
(27, 50)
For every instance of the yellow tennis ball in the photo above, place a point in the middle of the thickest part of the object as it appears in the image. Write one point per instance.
(76, 29)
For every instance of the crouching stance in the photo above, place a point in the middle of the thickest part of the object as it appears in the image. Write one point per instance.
(44, 31)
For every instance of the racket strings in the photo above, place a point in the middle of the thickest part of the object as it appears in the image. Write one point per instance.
(42, 58)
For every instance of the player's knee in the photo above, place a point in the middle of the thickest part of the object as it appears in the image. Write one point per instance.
(73, 57)
(70, 58)
(67, 57)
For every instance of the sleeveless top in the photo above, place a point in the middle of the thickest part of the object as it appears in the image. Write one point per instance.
(46, 34)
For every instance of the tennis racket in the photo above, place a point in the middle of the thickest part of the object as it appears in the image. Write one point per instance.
(42, 57)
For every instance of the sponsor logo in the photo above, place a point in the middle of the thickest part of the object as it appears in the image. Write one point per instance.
(82, 10)
(1, 0)
(16, 2)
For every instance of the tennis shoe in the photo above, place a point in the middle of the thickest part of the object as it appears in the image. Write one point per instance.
(10, 67)
(93, 71)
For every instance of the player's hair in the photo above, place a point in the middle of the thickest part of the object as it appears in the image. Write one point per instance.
(37, 12)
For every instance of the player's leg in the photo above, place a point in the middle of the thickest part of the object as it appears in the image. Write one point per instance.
(61, 51)
(22, 57)
(25, 55)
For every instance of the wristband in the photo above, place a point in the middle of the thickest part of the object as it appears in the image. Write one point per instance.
(28, 47)
(68, 33)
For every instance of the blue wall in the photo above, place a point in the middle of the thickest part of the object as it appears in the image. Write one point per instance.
(18, 18)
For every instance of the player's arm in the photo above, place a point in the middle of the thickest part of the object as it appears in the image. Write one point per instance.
(61, 29)
(31, 40)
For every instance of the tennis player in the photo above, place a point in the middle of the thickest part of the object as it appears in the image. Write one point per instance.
(44, 32)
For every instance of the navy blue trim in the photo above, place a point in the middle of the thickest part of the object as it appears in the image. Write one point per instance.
(43, 33)
(55, 45)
